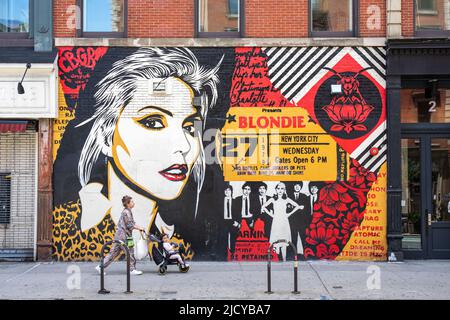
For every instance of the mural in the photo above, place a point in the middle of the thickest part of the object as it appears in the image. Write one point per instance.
(226, 150)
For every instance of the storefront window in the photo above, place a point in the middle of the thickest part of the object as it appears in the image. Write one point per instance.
(14, 16)
(432, 15)
(411, 195)
(425, 106)
(104, 16)
(331, 17)
(218, 16)
(440, 179)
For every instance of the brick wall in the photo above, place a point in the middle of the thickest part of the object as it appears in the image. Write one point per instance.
(286, 19)
(289, 18)
(407, 18)
(61, 17)
(168, 19)
(263, 18)
(370, 13)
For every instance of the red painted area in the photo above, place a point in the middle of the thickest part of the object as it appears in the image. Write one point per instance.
(12, 127)
(252, 244)
(251, 86)
(346, 64)
(338, 213)
(76, 66)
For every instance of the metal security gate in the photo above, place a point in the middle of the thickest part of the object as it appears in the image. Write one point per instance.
(18, 194)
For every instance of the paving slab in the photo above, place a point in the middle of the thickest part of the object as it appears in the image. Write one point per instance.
(318, 280)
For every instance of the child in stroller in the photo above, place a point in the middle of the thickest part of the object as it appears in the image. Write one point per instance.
(166, 253)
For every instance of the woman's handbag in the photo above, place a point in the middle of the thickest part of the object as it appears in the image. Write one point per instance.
(141, 249)
(130, 242)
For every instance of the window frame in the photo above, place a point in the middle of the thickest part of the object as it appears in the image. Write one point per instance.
(335, 34)
(427, 11)
(6, 220)
(231, 34)
(83, 34)
(427, 33)
(22, 35)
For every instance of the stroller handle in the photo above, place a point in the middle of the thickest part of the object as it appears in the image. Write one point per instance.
(149, 236)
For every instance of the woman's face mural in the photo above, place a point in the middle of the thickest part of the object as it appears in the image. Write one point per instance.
(280, 189)
(155, 144)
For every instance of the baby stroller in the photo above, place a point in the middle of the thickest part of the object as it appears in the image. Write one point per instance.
(162, 257)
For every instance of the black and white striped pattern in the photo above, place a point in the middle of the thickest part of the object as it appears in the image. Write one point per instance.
(296, 70)
(293, 70)
(374, 57)
(377, 139)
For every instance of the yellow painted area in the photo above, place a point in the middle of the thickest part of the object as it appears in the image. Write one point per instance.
(369, 241)
(60, 124)
(264, 144)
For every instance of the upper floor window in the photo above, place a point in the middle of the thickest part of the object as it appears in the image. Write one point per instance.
(103, 18)
(219, 18)
(332, 18)
(14, 18)
(432, 17)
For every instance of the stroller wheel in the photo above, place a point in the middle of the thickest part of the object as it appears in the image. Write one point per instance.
(183, 270)
(162, 270)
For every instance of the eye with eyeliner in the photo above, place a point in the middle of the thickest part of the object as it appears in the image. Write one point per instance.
(189, 125)
(158, 121)
(152, 121)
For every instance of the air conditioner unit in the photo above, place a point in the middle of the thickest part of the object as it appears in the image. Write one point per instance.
(160, 86)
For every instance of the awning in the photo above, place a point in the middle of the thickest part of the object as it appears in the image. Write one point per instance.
(12, 126)
(26, 54)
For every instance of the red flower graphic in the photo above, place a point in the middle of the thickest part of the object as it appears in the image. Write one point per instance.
(348, 115)
(320, 233)
(333, 198)
(352, 221)
(360, 176)
(323, 239)
(338, 213)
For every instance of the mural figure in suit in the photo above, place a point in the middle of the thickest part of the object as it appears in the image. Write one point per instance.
(258, 200)
(244, 212)
(231, 221)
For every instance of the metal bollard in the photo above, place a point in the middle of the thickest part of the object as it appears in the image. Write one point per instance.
(128, 269)
(269, 267)
(102, 267)
(269, 271)
(295, 274)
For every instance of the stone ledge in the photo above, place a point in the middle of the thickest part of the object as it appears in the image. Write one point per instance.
(222, 42)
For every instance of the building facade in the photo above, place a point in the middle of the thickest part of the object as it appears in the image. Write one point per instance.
(418, 100)
(234, 124)
(28, 105)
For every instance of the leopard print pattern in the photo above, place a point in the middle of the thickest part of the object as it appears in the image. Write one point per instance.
(71, 244)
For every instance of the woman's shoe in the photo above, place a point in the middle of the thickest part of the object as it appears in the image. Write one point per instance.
(99, 270)
(136, 272)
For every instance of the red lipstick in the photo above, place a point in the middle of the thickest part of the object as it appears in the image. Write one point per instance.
(177, 172)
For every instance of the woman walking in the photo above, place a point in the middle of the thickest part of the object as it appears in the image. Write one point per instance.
(124, 230)
(280, 218)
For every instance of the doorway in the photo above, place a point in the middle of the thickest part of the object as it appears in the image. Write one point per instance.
(425, 202)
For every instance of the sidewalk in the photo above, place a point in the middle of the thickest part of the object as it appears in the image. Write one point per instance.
(222, 280)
